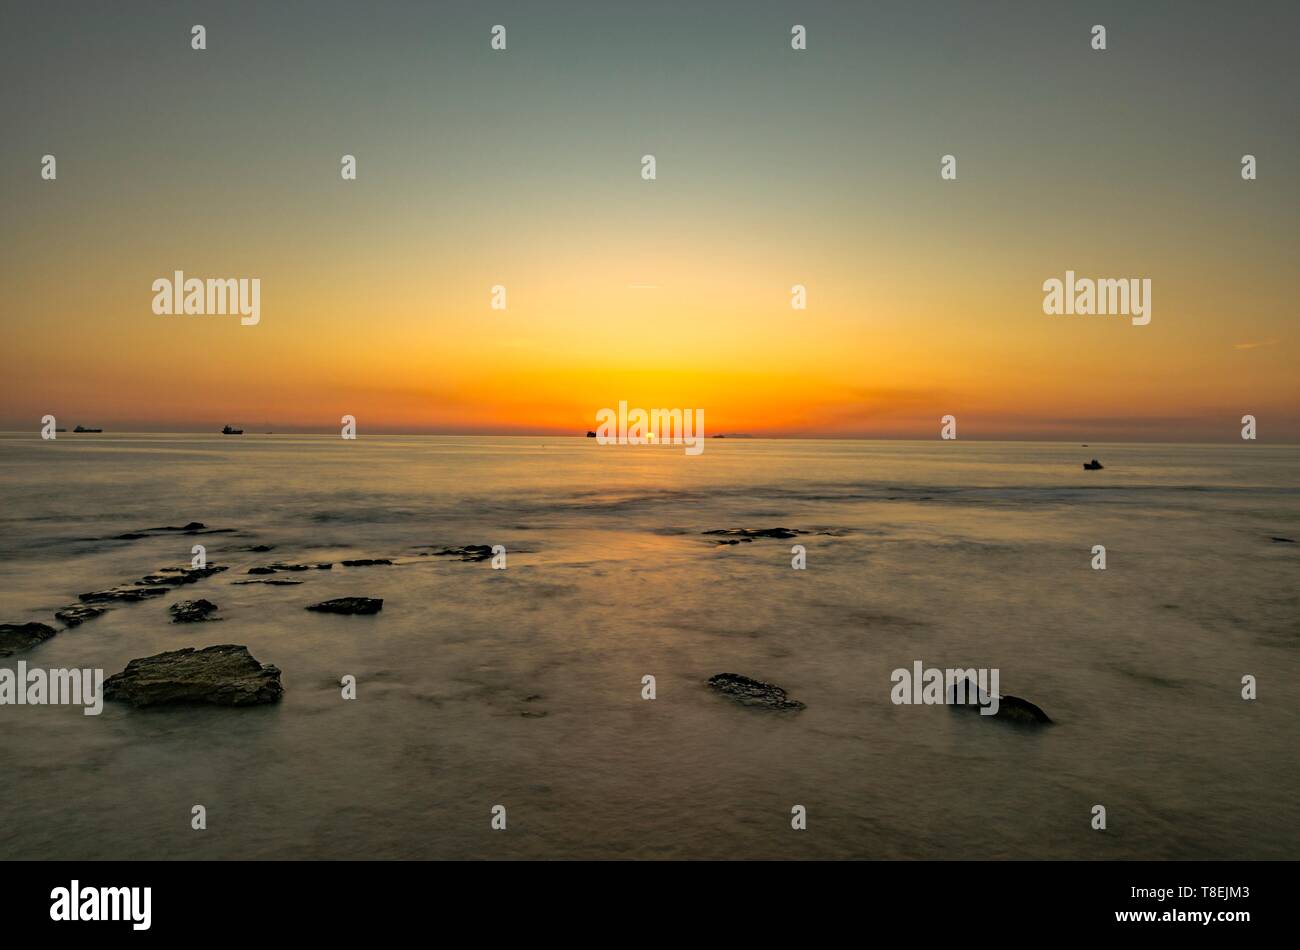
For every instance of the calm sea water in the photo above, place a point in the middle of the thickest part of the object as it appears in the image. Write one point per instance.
(522, 687)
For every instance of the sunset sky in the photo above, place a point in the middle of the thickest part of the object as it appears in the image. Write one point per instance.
(775, 168)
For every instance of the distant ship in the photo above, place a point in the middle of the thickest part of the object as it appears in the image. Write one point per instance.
(227, 430)
(84, 429)
(1092, 466)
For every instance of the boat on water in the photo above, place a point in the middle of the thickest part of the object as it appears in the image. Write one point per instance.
(1093, 465)
(229, 430)
(84, 429)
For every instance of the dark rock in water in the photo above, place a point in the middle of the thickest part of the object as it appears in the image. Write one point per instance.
(470, 552)
(16, 637)
(192, 526)
(590, 434)
(1093, 466)
(132, 536)
(76, 614)
(262, 548)
(1010, 708)
(192, 611)
(277, 567)
(1283, 540)
(750, 692)
(179, 575)
(366, 562)
(349, 605)
(224, 675)
(272, 582)
(748, 534)
(122, 595)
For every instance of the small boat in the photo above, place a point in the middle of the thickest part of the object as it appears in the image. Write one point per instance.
(84, 429)
(1093, 465)
(227, 430)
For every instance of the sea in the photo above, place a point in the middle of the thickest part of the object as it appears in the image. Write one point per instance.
(525, 686)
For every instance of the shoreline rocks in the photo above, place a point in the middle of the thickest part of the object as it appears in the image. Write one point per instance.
(226, 675)
(17, 637)
(752, 692)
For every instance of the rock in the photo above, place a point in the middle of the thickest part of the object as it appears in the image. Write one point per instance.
(179, 575)
(130, 536)
(272, 582)
(366, 562)
(748, 534)
(349, 605)
(1010, 708)
(262, 548)
(470, 552)
(277, 567)
(751, 692)
(590, 434)
(16, 637)
(1283, 540)
(76, 614)
(224, 675)
(192, 611)
(122, 595)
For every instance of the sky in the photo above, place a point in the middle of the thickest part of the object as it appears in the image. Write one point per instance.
(775, 167)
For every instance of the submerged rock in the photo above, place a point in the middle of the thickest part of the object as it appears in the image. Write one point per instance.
(349, 605)
(1283, 540)
(272, 582)
(192, 611)
(278, 567)
(122, 595)
(749, 534)
(470, 552)
(226, 675)
(16, 637)
(75, 614)
(366, 562)
(1010, 708)
(751, 692)
(179, 575)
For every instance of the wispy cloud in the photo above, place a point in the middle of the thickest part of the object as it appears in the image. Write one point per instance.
(1252, 346)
